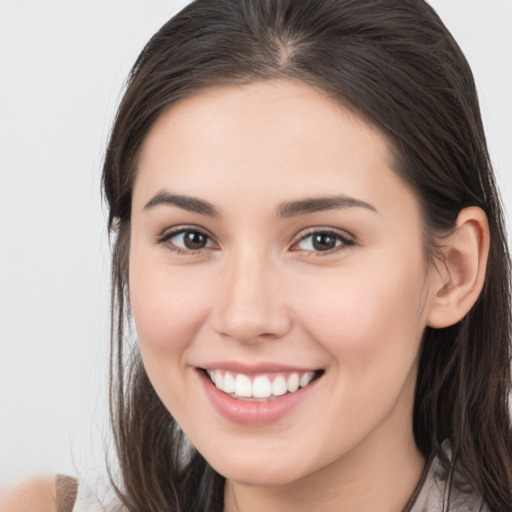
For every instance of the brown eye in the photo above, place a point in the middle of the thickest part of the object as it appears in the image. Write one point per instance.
(323, 241)
(187, 240)
(194, 240)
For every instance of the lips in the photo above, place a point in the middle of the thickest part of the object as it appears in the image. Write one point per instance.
(256, 395)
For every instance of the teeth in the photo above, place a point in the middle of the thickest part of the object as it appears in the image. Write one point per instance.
(279, 386)
(229, 383)
(293, 382)
(262, 386)
(218, 379)
(306, 379)
(243, 386)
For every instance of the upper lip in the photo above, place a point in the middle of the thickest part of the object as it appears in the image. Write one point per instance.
(255, 368)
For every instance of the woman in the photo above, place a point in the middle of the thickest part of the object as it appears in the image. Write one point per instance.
(309, 240)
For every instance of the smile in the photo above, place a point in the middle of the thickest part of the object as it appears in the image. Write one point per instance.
(257, 394)
(260, 387)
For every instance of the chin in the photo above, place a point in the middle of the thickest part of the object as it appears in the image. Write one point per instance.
(259, 472)
(259, 477)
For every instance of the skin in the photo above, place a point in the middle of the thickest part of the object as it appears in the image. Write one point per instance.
(259, 293)
(35, 495)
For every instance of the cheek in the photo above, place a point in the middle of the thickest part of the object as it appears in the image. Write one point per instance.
(364, 318)
(168, 308)
(372, 330)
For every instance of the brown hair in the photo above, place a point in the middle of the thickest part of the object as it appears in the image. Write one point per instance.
(395, 63)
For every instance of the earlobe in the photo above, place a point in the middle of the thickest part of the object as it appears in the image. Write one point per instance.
(461, 271)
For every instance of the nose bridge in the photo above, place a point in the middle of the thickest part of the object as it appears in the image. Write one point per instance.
(251, 307)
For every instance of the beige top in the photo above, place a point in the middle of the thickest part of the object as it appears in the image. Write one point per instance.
(430, 496)
(434, 493)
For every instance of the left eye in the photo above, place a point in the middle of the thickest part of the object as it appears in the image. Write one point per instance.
(322, 241)
(189, 239)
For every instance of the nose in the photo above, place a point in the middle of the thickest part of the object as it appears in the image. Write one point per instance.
(251, 305)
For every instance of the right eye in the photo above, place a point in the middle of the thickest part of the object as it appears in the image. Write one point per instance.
(187, 240)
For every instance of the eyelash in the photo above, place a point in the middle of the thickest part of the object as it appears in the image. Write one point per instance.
(345, 241)
(343, 238)
(166, 240)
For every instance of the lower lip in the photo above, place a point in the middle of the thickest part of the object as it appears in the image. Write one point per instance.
(253, 413)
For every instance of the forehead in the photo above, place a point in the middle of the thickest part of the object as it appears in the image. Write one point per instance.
(264, 140)
(277, 110)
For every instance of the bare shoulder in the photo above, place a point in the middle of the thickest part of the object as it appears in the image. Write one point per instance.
(37, 494)
(40, 494)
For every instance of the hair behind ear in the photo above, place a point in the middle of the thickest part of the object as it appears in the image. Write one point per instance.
(464, 380)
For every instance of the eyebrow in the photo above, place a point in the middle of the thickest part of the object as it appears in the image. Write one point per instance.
(318, 204)
(285, 210)
(192, 204)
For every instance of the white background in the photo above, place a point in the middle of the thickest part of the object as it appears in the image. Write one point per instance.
(62, 68)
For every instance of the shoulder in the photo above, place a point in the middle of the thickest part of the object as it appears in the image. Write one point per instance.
(35, 495)
(40, 494)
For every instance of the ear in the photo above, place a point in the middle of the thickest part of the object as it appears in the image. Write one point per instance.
(461, 270)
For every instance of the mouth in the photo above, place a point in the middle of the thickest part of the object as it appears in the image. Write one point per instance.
(256, 395)
(261, 387)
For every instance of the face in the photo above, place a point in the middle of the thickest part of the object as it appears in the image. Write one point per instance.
(275, 252)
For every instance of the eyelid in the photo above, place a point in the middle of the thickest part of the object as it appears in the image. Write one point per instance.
(347, 239)
(166, 235)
